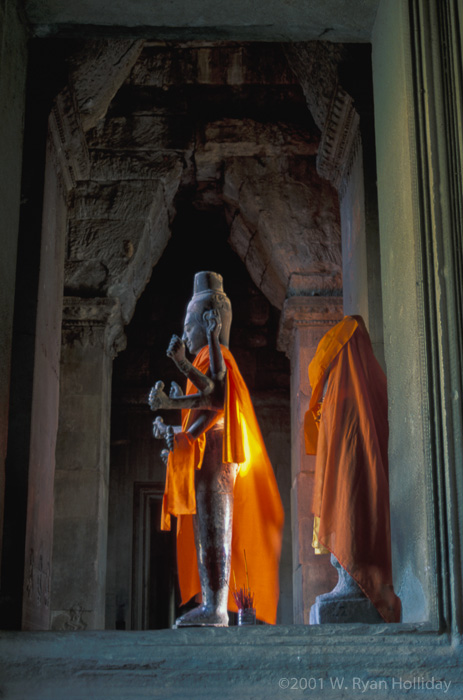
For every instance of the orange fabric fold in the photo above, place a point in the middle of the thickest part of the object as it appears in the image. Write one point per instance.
(179, 498)
(351, 495)
(257, 514)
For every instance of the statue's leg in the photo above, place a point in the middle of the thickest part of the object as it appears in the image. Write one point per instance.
(213, 524)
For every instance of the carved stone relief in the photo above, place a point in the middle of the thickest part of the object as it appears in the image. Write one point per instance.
(70, 620)
(93, 323)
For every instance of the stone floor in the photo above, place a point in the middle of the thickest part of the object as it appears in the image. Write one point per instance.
(330, 661)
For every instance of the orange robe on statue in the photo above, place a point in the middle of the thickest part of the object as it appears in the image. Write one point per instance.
(351, 496)
(257, 511)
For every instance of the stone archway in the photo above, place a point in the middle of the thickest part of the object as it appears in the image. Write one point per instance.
(129, 141)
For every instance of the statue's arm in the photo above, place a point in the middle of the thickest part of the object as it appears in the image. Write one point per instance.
(211, 388)
(176, 352)
(213, 323)
(202, 420)
(159, 400)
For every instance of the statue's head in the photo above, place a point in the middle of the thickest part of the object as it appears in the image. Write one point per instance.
(207, 294)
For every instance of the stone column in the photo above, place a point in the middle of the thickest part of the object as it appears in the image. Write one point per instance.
(304, 321)
(91, 336)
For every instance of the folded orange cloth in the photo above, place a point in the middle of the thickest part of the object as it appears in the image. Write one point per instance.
(257, 513)
(351, 496)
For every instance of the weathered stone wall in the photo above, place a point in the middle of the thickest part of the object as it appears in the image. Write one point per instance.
(13, 61)
(411, 508)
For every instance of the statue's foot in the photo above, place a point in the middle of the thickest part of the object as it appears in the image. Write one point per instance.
(202, 616)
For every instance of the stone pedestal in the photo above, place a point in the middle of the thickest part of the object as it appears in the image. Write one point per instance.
(91, 336)
(345, 603)
(304, 321)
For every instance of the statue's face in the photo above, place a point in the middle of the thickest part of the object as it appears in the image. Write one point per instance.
(194, 334)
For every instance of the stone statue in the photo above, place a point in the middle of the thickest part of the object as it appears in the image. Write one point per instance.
(201, 469)
(347, 428)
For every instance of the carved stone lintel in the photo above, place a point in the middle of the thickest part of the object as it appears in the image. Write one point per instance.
(66, 136)
(306, 311)
(94, 322)
(339, 136)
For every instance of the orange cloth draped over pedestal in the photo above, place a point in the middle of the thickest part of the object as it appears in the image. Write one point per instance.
(351, 496)
(257, 512)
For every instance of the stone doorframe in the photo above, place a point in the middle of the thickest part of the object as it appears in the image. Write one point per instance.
(145, 496)
(434, 471)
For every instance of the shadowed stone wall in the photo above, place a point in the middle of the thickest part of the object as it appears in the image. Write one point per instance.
(13, 64)
(35, 374)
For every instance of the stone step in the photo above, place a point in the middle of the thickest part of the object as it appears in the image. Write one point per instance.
(332, 661)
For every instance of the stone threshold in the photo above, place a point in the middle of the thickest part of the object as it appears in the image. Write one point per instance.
(332, 661)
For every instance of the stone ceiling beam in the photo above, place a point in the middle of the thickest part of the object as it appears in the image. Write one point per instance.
(282, 227)
(97, 73)
(273, 20)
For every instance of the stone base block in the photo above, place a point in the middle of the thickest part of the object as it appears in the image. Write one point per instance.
(344, 610)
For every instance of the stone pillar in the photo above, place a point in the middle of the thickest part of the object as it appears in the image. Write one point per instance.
(304, 321)
(91, 336)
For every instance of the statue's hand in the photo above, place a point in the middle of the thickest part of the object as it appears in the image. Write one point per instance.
(213, 322)
(169, 438)
(176, 350)
(158, 398)
(165, 456)
(161, 431)
(175, 391)
(159, 428)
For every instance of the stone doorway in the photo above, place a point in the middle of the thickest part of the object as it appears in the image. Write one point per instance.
(154, 585)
